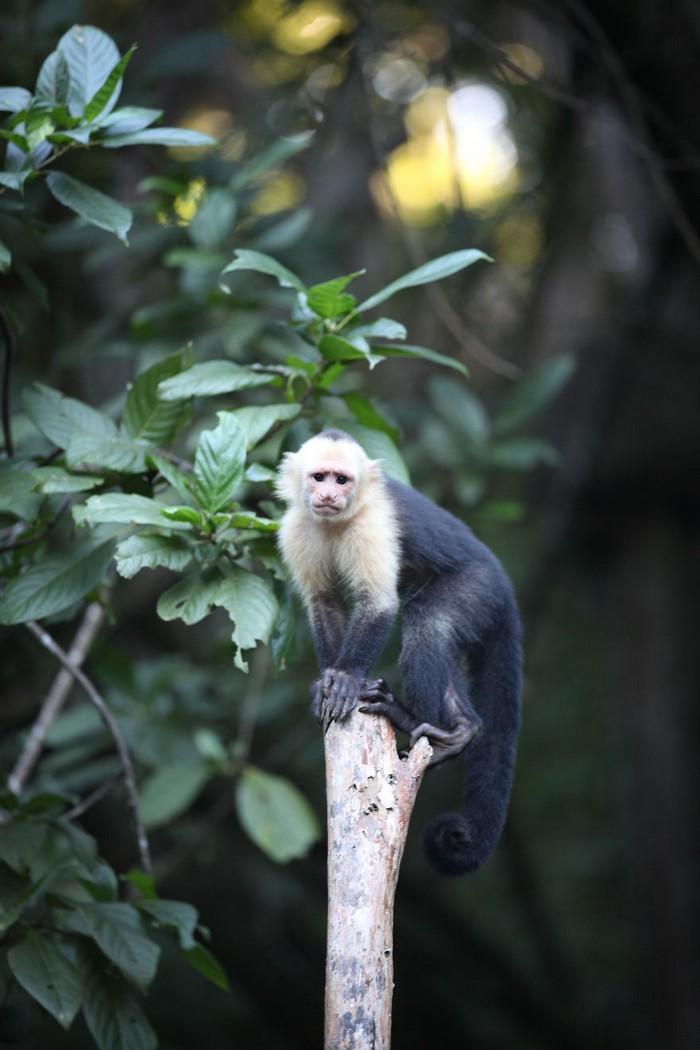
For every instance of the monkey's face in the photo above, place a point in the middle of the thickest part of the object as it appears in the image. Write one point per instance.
(329, 490)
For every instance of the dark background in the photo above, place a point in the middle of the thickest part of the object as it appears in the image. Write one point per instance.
(582, 930)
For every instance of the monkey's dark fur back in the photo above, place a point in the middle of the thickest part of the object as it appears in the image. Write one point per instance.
(461, 661)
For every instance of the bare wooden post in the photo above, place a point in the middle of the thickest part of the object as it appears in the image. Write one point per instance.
(370, 792)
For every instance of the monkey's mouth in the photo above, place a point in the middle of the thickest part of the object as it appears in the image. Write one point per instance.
(325, 510)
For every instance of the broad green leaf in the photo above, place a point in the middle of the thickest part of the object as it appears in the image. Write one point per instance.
(61, 418)
(251, 521)
(112, 1010)
(251, 604)
(151, 552)
(175, 477)
(17, 490)
(335, 348)
(178, 915)
(201, 959)
(257, 473)
(275, 154)
(461, 408)
(55, 479)
(48, 976)
(91, 56)
(14, 180)
(14, 99)
(260, 263)
(328, 299)
(532, 393)
(38, 126)
(257, 420)
(364, 412)
(422, 352)
(275, 815)
(219, 463)
(284, 233)
(382, 328)
(127, 509)
(160, 137)
(522, 453)
(99, 101)
(184, 513)
(171, 790)
(211, 377)
(5, 258)
(146, 416)
(118, 452)
(378, 446)
(127, 119)
(94, 207)
(214, 219)
(435, 270)
(190, 599)
(54, 584)
(117, 928)
(53, 80)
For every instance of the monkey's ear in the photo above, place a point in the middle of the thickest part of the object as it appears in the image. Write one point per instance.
(287, 477)
(374, 469)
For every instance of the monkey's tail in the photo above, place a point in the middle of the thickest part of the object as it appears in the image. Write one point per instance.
(458, 843)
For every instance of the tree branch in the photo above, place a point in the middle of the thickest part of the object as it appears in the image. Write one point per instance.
(370, 797)
(129, 779)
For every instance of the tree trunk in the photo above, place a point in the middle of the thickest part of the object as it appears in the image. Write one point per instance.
(370, 792)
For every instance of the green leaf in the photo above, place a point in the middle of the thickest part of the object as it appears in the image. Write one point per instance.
(422, 352)
(48, 976)
(61, 418)
(127, 119)
(275, 154)
(257, 473)
(378, 446)
(532, 393)
(219, 463)
(91, 56)
(251, 604)
(160, 137)
(146, 416)
(275, 815)
(201, 959)
(244, 520)
(14, 99)
(435, 270)
(212, 377)
(127, 509)
(523, 453)
(108, 453)
(328, 300)
(38, 125)
(177, 915)
(260, 263)
(364, 412)
(335, 348)
(284, 233)
(55, 479)
(5, 258)
(171, 790)
(102, 97)
(176, 478)
(151, 552)
(54, 584)
(214, 219)
(112, 1011)
(17, 495)
(117, 928)
(190, 599)
(257, 420)
(53, 80)
(94, 207)
(184, 513)
(382, 328)
(461, 408)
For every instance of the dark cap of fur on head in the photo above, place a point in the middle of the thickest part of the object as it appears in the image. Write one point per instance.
(336, 435)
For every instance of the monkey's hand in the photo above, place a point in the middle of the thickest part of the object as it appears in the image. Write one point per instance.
(339, 692)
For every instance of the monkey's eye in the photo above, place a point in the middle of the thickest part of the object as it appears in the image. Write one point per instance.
(318, 476)
(341, 479)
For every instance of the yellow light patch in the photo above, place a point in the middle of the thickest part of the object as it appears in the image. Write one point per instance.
(310, 26)
(526, 58)
(186, 204)
(280, 191)
(519, 240)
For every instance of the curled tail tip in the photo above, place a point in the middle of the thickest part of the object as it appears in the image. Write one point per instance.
(450, 846)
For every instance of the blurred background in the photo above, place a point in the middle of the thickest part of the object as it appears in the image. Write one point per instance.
(563, 140)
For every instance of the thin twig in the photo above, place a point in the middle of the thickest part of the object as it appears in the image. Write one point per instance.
(9, 341)
(55, 698)
(92, 799)
(128, 770)
(14, 544)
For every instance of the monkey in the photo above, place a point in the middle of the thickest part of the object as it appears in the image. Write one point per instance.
(363, 548)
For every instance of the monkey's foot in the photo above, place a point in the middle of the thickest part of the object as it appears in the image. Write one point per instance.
(339, 693)
(383, 702)
(446, 743)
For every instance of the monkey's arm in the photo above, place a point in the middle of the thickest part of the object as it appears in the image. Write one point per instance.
(328, 625)
(343, 681)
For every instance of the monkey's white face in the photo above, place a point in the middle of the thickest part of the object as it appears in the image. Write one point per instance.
(329, 489)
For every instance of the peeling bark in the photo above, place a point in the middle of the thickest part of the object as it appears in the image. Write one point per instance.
(370, 796)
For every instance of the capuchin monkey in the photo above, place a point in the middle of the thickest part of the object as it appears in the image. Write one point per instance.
(351, 536)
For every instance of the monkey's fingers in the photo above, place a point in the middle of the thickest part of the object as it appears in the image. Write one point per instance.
(378, 690)
(446, 743)
(396, 714)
